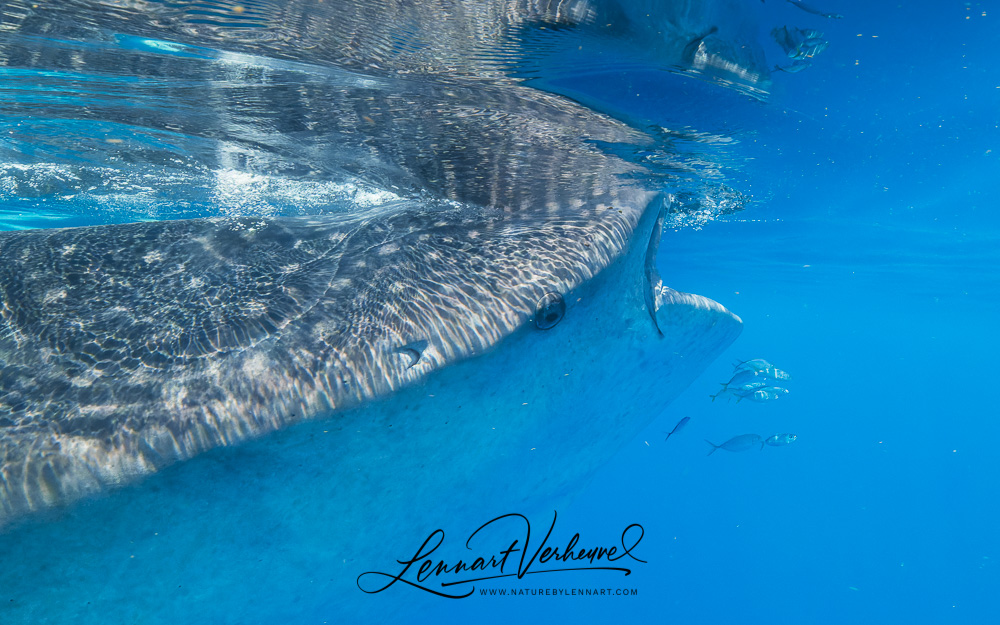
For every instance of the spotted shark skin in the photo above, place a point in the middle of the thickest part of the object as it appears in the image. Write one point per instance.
(124, 348)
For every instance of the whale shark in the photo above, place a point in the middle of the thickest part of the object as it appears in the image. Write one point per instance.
(124, 348)
(227, 418)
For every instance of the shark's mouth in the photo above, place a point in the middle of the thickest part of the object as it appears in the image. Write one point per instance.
(654, 284)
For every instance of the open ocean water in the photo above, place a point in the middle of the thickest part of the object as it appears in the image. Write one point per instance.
(845, 209)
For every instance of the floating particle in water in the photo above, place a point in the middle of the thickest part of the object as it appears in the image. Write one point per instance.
(549, 311)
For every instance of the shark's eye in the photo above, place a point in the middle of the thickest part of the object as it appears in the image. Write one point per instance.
(549, 311)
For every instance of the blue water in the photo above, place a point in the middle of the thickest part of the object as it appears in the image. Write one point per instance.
(865, 263)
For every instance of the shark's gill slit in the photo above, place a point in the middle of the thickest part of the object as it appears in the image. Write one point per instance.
(549, 311)
(653, 282)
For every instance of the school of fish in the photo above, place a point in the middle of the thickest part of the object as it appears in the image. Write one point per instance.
(756, 380)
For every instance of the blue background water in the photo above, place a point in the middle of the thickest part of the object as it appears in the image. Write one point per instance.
(866, 267)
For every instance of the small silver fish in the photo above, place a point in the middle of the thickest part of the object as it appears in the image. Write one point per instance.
(726, 391)
(778, 374)
(809, 9)
(680, 424)
(812, 47)
(797, 66)
(744, 377)
(799, 43)
(756, 365)
(739, 392)
(767, 393)
(742, 442)
(780, 439)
